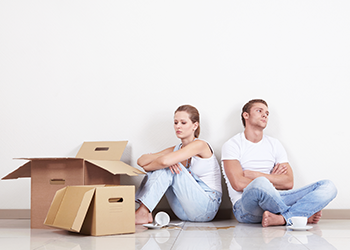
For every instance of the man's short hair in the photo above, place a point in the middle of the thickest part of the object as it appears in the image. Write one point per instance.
(248, 106)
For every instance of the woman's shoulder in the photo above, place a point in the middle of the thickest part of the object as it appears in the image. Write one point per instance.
(200, 142)
(205, 146)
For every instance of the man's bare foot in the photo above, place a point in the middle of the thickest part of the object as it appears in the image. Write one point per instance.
(270, 219)
(143, 216)
(315, 218)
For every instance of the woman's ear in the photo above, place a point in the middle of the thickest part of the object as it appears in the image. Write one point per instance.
(195, 126)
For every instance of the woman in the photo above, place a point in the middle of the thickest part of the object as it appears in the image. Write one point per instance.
(189, 174)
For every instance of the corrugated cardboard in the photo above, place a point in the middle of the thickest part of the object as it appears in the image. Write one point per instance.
(96, 163)
(93, 210)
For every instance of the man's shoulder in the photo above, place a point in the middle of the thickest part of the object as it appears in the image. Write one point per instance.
(234, 142)
(235, 138)
(272, 140)
(231, 148)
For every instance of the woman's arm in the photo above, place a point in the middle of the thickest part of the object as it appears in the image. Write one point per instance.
(146, 159)
(198, 147)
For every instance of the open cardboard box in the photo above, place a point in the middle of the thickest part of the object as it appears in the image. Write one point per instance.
(95, 163)
(94, 210)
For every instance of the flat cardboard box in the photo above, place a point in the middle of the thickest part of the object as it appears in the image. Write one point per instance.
(96, 163)
(94, 210)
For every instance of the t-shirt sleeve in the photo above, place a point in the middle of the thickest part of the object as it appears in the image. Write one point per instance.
(281, 154)
(230, 150)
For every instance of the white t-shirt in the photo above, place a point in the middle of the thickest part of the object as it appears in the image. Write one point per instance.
(261, 156)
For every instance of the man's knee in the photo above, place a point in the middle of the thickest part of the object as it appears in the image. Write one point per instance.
(330, 188)
(260, 183)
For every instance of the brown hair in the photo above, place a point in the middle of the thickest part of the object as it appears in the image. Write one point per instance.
(248, 106)
(193, 115)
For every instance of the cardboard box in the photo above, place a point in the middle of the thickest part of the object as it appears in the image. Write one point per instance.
(95, 163)
(93, 210)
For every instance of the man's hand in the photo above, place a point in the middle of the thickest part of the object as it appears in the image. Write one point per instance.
(279, 169)
(281, 176)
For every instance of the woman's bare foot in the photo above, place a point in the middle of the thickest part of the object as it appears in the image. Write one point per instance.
(315, 218)
(270, 219)
(143, 215)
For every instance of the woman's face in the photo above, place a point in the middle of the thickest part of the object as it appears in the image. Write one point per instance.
(183, 125)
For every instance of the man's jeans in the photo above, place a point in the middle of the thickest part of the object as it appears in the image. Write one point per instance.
(189, 197)
(260, 195)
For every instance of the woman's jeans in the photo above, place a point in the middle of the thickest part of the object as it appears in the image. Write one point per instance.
(189, 197)
(260, 195)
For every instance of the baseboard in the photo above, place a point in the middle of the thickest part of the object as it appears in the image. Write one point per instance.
(223, 214)
(14, 213)
(343, 214)
(226, 214)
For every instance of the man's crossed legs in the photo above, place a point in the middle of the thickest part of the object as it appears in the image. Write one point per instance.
(262, 203)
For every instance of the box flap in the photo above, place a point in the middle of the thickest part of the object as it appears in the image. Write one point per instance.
(55, 205)
(21, 172)
(25, 170)
(116, 167)
(110, 150)
(69, 207)
(46, 158)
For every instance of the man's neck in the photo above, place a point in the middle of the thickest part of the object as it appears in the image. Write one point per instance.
(253, 135)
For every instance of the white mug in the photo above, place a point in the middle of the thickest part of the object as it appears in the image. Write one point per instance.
(162, 219)
(298, 221)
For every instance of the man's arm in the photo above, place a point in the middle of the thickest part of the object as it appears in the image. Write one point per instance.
(235, 174)
(281, 176)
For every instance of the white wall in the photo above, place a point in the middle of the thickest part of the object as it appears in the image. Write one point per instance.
(74, 71)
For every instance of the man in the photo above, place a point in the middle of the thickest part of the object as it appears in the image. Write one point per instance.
(260, 179)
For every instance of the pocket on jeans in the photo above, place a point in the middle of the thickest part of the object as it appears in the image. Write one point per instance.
(214, 204)
(236, 206)
(208, 216)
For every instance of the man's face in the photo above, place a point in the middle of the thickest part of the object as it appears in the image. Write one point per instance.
(258, 116)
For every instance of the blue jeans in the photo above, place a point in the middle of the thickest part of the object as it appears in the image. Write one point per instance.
(260, 195)
(189, 197)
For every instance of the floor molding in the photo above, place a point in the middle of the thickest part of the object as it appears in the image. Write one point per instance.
(14, 213)
(223, 214)
(343, 214)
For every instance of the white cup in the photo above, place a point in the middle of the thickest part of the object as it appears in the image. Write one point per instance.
(162, 219)
(298, 221)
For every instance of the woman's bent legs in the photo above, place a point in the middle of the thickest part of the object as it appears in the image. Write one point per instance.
(153, 187)
(189, 197)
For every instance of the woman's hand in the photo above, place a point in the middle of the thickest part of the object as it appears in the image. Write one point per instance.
(175, 169)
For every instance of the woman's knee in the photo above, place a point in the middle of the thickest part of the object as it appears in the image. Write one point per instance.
(159, 172)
